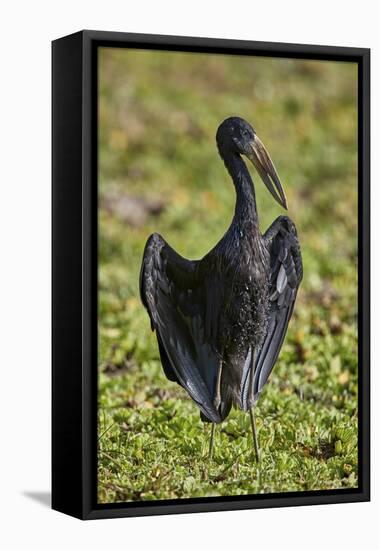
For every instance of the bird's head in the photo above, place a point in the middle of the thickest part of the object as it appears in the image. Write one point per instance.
(238, 137)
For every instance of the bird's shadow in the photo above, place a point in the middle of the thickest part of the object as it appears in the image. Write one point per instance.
(42, 497)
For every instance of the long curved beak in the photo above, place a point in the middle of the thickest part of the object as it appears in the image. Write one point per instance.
(266, 169)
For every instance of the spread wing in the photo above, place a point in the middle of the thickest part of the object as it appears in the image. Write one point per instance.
(286, 273)
(183, 309)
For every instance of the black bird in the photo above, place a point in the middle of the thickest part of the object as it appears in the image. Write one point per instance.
(221, 321)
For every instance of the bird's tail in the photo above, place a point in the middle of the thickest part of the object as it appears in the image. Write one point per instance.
(224, 409)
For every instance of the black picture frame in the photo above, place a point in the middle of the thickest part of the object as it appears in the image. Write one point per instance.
(74, 273)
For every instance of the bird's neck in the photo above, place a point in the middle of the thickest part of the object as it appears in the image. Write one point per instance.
(246, 209)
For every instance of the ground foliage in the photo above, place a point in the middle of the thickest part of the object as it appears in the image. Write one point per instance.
(158, 115)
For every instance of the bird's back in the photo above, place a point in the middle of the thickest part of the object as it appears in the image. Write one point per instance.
(241, 262)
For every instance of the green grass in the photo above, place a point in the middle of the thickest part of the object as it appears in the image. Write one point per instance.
(158, 116)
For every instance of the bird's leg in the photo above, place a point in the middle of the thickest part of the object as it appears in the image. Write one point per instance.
(216, 402)
(254, 432)
(217, 399)
(252, 408)
(211, 442)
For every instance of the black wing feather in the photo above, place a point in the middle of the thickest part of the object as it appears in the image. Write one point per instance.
(286, 273)
(285, 278)
(183, 317)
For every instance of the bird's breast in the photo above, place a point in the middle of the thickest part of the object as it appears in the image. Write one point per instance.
(245, 300)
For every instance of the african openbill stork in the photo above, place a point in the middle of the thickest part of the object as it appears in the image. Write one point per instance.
(220, 321)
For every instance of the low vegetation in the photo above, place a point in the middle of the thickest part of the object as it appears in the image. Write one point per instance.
(158, 117)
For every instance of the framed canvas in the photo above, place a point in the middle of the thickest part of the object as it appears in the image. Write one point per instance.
(210, 314)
